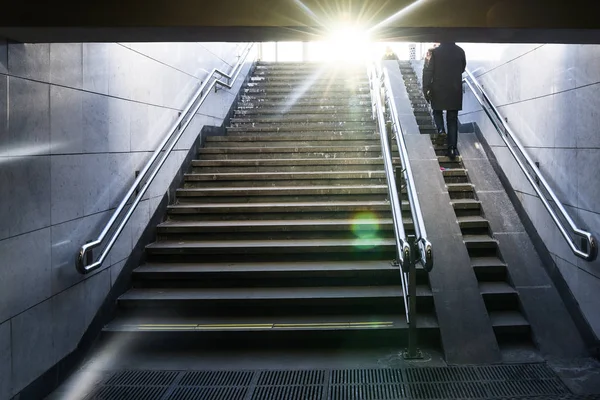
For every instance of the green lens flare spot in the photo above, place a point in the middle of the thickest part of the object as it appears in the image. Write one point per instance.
(365, 225)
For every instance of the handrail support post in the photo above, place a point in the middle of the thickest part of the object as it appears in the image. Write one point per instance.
(412, 352)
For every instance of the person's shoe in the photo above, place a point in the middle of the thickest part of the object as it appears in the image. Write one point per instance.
(451, 153)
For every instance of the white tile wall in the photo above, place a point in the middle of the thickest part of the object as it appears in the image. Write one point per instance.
(82, 119)
(551, 96)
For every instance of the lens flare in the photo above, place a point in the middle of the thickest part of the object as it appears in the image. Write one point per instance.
(365, 226)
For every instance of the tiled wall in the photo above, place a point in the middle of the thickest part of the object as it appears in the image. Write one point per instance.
(76, 122)
(550, 95)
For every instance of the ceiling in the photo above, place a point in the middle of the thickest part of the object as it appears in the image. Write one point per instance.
(516, 21)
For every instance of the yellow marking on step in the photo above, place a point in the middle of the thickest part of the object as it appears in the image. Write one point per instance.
(374, 324)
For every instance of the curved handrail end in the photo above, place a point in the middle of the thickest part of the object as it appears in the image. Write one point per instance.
(593, 250)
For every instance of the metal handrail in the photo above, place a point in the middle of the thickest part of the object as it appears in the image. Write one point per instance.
(176, 131)
(402, 247)
(505, 132)
(425, 248)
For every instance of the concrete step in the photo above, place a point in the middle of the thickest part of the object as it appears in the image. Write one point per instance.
(295, 104)
(259, 301)
(272, 250)
(510, 324)
(307, 91)
(489, 269)
(455, 175)
(271, 246)
(339, 111)
(448, 160)
(264, 178)
(270, 274)
(287, 210)
(312, 190)
(300, 332)
(308, 153)
(259, 325)
(294, 98)
(461, 190)
(291, 229)
(339, 137)
(473, 222)
(499, 296)
(305, 118)
(307, 143)
(473, 225)
(289, 152)
(480, 242)
(287, 165)
(466, 207)
(300, 128)
(267, 79)
(255, 151)
(298, 225)
(325, 82)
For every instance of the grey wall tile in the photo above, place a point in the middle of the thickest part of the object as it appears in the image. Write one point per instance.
(585, 288)
(66, 120)
(4, 138)
(192, 131)
(164, 177)
(115, 271)
(122, 247)
(67, 239)
(120, 62)
(96, 57)
(3, 56)
(217, 104)
(29, 60)
(4, 198)
(140, 127)
(95, 186)
(139, 220)
(32, 347)
(565, 116)
(68, 320)
(160, 121)
(66, 64)
(587, 58)
(558, 244)
(119, 130)
(96, 290)
(29, 205)
(122, 175)
(562, 174)
(68, 188)
(5, 361)
(587, 179)
(29, 117)
(95, 123)
(25, 272)
(585, 120)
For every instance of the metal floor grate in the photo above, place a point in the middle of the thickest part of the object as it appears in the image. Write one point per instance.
(527, 381)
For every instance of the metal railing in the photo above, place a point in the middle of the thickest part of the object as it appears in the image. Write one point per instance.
(424, 246)
(402, 247)
(85, 262)
(589, 246)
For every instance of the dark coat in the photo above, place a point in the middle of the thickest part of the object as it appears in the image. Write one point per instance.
(442, 77)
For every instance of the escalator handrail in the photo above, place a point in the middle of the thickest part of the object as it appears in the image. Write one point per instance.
(505, 131)
(171, 138)
(425, 248)
(402, 247)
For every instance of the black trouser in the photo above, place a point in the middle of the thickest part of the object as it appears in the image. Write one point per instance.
(452, 123)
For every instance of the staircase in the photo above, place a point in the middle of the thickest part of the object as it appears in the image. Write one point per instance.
(500, 297)
(282, 233)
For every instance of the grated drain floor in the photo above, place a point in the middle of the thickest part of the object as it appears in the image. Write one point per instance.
(527, 381)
